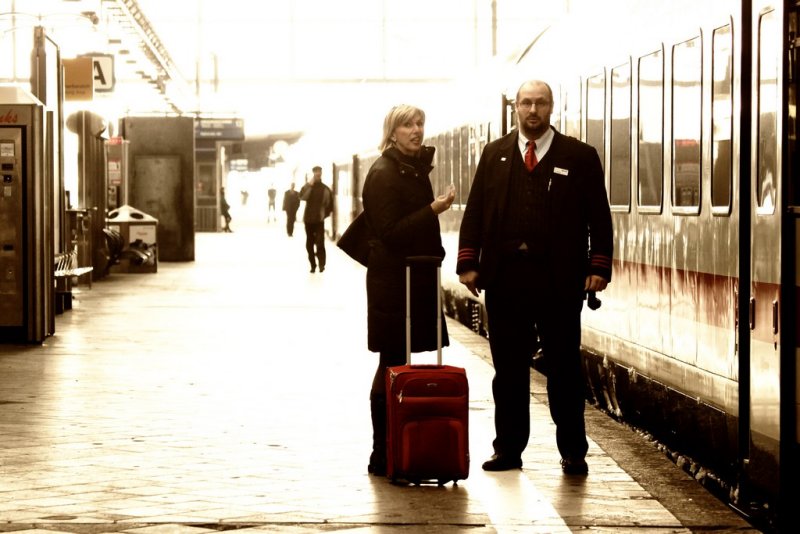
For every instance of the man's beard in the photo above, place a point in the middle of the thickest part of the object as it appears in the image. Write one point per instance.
(533, 132)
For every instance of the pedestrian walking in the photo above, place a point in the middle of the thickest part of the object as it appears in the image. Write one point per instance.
(291, 203)
(225, 210)
(319, 205)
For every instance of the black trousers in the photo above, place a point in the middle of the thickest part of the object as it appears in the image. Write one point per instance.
(315, 243)
(291, 217)
(521, 305)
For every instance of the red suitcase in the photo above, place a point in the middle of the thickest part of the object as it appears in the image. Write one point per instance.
(427, 412)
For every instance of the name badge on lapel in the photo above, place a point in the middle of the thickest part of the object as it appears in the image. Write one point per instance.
(562, 172)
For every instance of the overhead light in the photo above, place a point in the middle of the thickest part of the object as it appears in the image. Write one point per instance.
(92, 16)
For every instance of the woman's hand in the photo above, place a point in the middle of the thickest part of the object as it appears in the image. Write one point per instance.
(443, 202)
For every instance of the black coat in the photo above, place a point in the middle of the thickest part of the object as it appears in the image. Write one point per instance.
(397, 196)
(291, 201)
(579, 218)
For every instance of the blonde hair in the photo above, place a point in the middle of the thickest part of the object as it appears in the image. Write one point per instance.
(397, 115)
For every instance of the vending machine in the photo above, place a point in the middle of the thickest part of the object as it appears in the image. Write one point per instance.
(26, 244)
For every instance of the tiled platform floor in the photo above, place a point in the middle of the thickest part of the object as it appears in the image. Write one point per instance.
(231, 393)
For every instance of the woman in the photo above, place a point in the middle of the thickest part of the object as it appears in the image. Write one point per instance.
(402, 215)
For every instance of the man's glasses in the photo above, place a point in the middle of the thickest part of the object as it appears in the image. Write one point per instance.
(527, 104)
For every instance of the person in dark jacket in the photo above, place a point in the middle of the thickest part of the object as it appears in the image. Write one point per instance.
(291, 203)
(225, 210)
(319, 204)
(536, 235)
(402, 214)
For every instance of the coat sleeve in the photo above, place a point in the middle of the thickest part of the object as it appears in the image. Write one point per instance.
(388, 216)
(471, 232)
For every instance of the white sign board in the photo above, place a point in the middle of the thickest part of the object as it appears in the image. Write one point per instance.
(103, 71)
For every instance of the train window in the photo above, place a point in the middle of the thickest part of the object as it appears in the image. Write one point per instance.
(509, 116)
(447, 175)
(475, 133)
(596, 113)
(555, 115)
(651, 130)
(435, 175)
(462, 180)
(441, 157)
(486, 137)
(620, 187)
(769, 56)
(722, 120)
(687, 62)
(572, 110)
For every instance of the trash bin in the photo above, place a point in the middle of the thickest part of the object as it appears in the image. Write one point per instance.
(138, 230)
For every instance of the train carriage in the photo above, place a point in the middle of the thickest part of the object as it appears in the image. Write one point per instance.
(691, 106)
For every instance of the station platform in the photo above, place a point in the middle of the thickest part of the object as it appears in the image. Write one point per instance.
(231, 393)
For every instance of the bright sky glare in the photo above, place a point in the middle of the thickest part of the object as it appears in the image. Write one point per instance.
(334, 65)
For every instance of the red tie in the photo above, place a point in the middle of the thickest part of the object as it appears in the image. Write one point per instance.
(530, 156)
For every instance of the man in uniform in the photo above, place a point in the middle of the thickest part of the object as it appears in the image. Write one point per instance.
(536, 236)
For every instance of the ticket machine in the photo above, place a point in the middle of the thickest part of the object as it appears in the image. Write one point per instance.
(26, 245)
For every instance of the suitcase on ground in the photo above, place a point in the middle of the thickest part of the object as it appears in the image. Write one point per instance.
(427, 411)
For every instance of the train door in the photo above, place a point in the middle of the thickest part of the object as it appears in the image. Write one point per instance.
(771, 368)
(790, 398)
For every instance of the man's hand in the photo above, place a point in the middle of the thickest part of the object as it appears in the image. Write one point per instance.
(470, 279)
(595, 283)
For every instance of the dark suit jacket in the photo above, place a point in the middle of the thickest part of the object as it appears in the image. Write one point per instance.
(579, 218)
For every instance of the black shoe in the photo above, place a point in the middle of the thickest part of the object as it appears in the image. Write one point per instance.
(574, 466)
(500, 462)
(313, 269)
(322, 269)
(377, 470)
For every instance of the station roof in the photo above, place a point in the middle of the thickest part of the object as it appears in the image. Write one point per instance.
(287, 65)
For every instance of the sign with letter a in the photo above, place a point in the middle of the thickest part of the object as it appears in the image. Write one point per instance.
(103, 67)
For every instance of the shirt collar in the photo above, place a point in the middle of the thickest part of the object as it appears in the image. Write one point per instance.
(542, 143)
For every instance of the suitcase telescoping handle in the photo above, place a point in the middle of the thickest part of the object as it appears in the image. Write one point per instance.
(429, 260)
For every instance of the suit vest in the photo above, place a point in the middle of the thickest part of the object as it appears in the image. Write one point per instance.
(526, 210)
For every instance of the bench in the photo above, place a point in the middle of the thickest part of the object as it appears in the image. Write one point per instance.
(66, 275)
